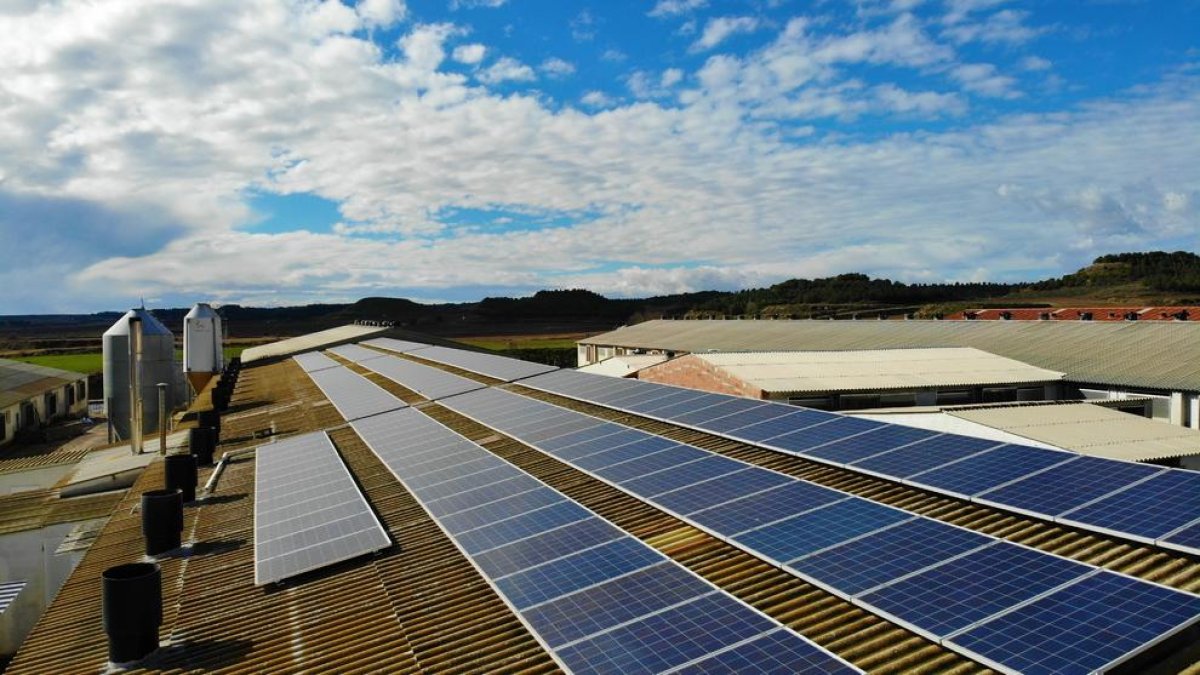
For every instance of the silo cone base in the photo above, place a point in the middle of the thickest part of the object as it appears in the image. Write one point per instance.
(199, 380)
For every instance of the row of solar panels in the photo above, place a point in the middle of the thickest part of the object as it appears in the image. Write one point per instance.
(1138, 501)
(1012, 607)
(598, 599)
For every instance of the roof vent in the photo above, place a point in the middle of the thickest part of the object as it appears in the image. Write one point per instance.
(132, 609)
(202, 442)
(162, 520)
(180, 474)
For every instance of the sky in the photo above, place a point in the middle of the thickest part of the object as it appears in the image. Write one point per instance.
(276, 152)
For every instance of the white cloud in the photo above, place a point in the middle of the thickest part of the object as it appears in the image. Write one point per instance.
(381, 13)
(1035, 63)
(507, 69)
(424, 47)
(922, 103)
(583, 26)
(985, 80)
(556, 67)
(597, 99)
(613, 55)
(456, 5)
(671, 77)
(1007, 27)
(665, 8)
(470, 54)
(718, 29)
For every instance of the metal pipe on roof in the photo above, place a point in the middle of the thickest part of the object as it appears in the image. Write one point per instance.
(135, 384)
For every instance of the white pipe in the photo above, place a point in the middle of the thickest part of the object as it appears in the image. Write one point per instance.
(216, 474)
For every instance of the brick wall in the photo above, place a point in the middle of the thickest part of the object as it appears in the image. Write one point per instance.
(696, 373)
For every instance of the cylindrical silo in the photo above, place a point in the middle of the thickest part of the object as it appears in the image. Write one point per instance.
(202, 349)
(158, 365)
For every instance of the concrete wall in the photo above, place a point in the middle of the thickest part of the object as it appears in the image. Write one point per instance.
(14, 420)
(29, 556)
(696, 373)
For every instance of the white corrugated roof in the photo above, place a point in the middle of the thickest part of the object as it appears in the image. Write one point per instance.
(873, 370)
(304, 343)
(623, 366)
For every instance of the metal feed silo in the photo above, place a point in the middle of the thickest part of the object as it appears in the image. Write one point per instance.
(158, 365)
(202, 354)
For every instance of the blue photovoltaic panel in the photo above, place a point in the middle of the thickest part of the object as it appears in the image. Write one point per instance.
(481, 496)
(652, 400)
(729, 406)
(519, 527)
(430, 382)
(1186, 539)
(996, 467)
(648, 458)
(801, 535)
(353, 395)
(578, 570)
(761, 412)
(491, 365)
(668, 639)
(952, 596)
(878, 558)
(614, 602)
(777, 426)
(873, 442)
(546, 547)
(553, 431)
(313, 361)
(1086, 627)
(720, 490)
(566, 441)
(924, 455)
(1062, 488)
(466, 483)
(677, 477)
(602, 444)
(765, 507)
(356, 353)
(630, 398)
(501, 509)
(802, 440)
(457, 466)
(667, 409)
(779, 652)
(1149, 509)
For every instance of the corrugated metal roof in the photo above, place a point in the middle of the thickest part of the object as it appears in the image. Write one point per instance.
(21, 381)
(9, 591)
(304, 343)
(1151, 354)
(874, 369)
(1090, 429)
(623, 366)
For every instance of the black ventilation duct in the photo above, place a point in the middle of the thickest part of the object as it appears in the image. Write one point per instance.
(180, 473)
(202, 443)
(132, 608)
(162, 520)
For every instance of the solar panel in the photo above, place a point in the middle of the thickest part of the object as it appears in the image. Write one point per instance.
(356, 353)
(674, 478)
(9, 591)
(827, 526)
(867, 444)
(429, 382)
(353, 395)
(392, 344)
(311, 362)
(1148, 509)
(923, 455)
(720, 490)
(809, 437)
(491, 365)
(1108, 619)
(756, 510)
(778, 652)
(958, 593)
(308, 511)
(1068, 486)
(1186, 539)
(575, 579)
(1001, 465)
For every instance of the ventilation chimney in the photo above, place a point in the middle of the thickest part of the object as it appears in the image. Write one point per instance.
(202, 444)
(132, 608)
(210, 418)
(180, 472)
(162, 520)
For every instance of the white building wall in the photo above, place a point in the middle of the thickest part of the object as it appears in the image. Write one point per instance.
(30, 556)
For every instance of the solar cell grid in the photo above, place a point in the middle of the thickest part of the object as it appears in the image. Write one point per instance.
(314, 361)
(561, 429)
(602, 444)
(656, 398)
(807, 533)
(638, 458)
(952, 596)
(482, 495)
(353, 395)
(566, 441)
(495, 473)
(720, 490)
(684, 400)
(759, 509)
(545, 547)
(730, 406)
(1186, 539)
(868, 444)
(878, 558)
(500, 509)
(395, 345)
(679, 476)
(356, 353)
(431, 383)
(1088, 626)
(613, 602)
(491, 365)
(924, 455)
(429, 476)
(810, 437)
(1149, 509)
(777, 653)
(778, 425)
(577, 570)
(518, 527)
(996, 467)
(1062, 488)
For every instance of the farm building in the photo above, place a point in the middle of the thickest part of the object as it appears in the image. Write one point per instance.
(1157, 360)
(32, 396)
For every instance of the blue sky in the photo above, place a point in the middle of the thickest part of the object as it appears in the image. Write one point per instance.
(276, 152)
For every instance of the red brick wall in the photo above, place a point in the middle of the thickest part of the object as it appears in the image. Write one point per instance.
(695, 373)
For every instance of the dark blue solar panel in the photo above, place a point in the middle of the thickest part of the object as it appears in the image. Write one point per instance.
(586, 448)
(719, 490)
(524, 525)
(761, 413)
(668, 639)
(648, 445)
(778, 653)
(537, 436)
(955, 595)
(820, 434)
(881, 439)
(766, 507)
(800, 535)
(546, 547)
(1151, 509)
(702, 400)
(976, 474)
(1065, 487)
(420, 478)
(638, 396)
(470, 482)
(924, 455)
(670, 398)
(728, 407)
(483, 495)
(865, 563)
(1188, 537)
(1085, 627)
(500, 509)
(568, 440)
(777, 426)
(673, 455)
(614, 602)
(677, 477)
(576, 571)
